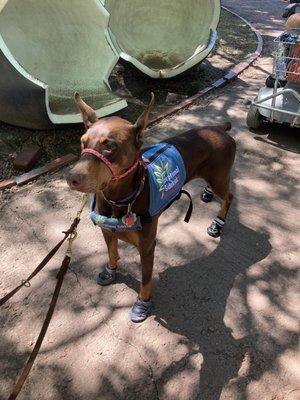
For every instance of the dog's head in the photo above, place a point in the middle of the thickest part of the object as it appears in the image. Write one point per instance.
(116, 139)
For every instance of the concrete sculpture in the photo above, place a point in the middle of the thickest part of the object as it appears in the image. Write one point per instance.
(163, 38)
(48, 50)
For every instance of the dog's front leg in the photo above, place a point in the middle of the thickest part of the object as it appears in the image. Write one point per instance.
(147, 260)
(142, 306)
(108, 273)
(111, 241)
(147, 241)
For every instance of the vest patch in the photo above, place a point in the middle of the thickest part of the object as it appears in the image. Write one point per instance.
(166, 174)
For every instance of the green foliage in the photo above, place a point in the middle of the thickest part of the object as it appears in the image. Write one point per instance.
(161, 173)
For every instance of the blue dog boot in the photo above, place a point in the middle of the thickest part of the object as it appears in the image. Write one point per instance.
(140, 310)
(107, 276)
(216, 227)
(207, 195)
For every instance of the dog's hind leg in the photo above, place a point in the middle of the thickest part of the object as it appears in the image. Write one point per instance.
(221, 189)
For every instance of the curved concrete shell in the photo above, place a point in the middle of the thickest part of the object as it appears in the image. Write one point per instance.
(163, 38)
(48, 50)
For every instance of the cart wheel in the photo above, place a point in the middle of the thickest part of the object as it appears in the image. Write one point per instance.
(270, 82)
(254, 118)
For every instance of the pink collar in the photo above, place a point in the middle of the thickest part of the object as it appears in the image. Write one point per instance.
(110, 165)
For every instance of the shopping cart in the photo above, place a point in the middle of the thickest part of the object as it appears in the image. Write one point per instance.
(279, 100)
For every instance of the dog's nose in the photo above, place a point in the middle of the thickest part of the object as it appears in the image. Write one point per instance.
(74, 180)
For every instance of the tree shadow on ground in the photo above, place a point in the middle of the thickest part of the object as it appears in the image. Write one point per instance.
(283, 137)
(191, 299)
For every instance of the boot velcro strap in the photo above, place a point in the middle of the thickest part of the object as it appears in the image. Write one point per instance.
(219, 221)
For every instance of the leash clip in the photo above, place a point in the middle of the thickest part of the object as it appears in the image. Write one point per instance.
(25, 282)
(71, 239)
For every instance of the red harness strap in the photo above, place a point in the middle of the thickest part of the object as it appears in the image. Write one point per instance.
(110, 165)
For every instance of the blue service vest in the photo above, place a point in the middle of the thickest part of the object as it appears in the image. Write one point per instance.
(166, 175)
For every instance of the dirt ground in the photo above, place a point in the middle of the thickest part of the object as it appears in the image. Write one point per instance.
(226, 320)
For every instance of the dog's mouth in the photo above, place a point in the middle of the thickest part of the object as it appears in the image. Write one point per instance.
(85, 182)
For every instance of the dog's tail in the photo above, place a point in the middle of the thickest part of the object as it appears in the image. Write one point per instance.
(227, 126)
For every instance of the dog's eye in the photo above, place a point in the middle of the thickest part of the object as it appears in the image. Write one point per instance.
(109, 144)
(109, 148)
(107, 152)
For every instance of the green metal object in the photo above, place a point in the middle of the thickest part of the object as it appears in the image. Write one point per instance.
(163, 38)
(48, 50)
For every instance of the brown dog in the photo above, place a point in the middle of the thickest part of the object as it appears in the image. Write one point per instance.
(111, 148)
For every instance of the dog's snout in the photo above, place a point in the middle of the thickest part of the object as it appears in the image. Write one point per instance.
(74, 179)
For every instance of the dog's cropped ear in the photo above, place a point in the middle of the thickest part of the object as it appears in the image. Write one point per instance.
(142, 122)
(89, 116)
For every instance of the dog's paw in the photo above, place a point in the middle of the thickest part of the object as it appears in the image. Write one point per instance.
(215, 229)
(107, 276)
(207, 195)
(140, 310)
